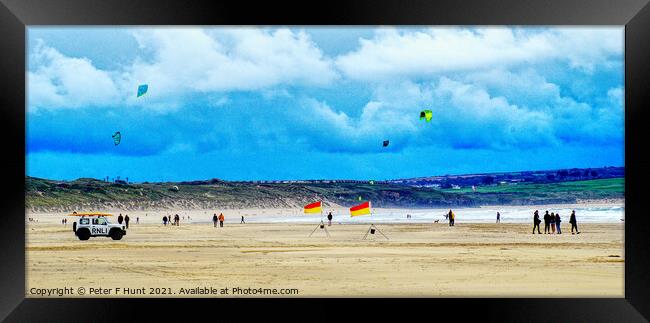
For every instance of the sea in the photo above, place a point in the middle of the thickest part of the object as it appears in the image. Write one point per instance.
(509, 214)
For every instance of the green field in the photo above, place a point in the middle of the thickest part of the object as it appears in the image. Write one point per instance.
(613, 185)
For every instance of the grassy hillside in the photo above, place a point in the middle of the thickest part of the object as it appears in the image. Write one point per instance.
(565, 192)
(43, 195)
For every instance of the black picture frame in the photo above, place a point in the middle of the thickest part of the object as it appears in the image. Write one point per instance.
(16, 15)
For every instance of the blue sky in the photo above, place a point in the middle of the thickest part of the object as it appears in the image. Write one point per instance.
(317, 102)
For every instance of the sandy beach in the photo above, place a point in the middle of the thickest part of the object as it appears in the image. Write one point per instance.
(419, 260)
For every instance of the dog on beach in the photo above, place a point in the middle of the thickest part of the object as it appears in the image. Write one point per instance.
(436, 221)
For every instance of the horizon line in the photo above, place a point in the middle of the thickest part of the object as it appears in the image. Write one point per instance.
(325, 179)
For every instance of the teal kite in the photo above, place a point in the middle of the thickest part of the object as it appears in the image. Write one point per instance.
(142, 89)
(117, 137)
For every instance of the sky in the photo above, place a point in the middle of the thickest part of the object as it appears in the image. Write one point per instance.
(274, 103)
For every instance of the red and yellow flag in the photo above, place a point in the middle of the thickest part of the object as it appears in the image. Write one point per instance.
(361, 209)
(313, 207)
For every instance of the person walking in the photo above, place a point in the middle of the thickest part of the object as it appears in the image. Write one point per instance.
(165, 220)
(177, 219)
(498, 217)
(547, 221)
(558, 220)
(137, 220)
(536, 222)
(329, 219)
(126, 220)
(453, 218)
(221, 218)
(120, 219)
(242, 220)
(214, 220)
(552, 222)
(574, 223)
(450, 218)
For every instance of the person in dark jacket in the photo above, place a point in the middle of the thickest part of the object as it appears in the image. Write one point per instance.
(536, 222)
(329, 219)
(126, 220)
(215, 220)
(498, 217)
(165, 220)
(552, 222)
(558, 220)
(120, 219)
(574, 223)
(547, 223)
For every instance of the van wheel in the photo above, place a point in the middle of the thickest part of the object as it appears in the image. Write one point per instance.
(83, 234)
(116, 234)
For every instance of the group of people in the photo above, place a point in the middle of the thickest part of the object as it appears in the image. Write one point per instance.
(64, 221)
(124, 219)
(552, 223)
(168, 219)
(219, 219)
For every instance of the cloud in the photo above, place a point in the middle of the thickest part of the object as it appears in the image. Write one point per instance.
(468, 114)
(179, 63)
(616, 96)
(392, 53)
(589, 48)
(465, 116)
(197, 60)
(470, 117)
(240, 90)
(58, 81)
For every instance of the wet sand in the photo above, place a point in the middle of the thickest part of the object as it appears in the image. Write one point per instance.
(419, 260)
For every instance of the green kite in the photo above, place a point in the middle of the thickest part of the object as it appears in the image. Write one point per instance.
(426, 115)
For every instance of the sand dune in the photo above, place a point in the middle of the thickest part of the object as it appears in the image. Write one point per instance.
(421, 260)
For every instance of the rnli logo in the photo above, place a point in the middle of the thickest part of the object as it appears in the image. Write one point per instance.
(99, 230)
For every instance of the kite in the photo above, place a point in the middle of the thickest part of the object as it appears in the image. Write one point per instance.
(386, 143)
(142, 89)
(117, 137)
(426, 114)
